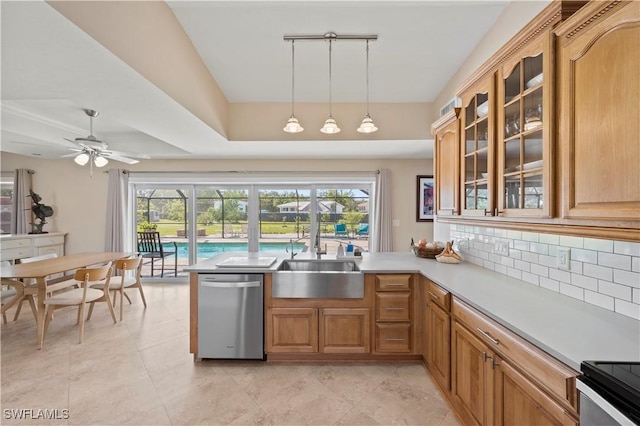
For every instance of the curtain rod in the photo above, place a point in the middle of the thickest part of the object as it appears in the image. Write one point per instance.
(257, 172)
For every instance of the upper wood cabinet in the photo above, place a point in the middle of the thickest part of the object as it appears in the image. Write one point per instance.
(524, 131)
(477, 146)
(446, 132)
(550, 128)
(599, 91)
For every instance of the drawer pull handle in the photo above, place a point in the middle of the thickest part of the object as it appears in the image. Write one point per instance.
(488, 336)
(395, 309)
(394, 340)
(435, 296)
(395, 285)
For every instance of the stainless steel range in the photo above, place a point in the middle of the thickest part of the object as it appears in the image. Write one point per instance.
(609, 393)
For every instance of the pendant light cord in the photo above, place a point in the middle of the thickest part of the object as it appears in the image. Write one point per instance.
(367, 77)
(330, 85)
(293, 74)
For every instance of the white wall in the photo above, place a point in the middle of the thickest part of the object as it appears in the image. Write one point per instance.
(79, 201)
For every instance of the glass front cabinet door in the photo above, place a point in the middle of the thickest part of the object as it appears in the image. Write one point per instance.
(477, 165)
(524, 129)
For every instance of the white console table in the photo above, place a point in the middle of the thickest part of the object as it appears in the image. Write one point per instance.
(18, 246)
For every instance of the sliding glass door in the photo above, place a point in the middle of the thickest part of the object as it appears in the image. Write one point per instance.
(201, 220)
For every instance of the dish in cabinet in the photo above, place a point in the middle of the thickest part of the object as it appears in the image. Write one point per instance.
(534, 81)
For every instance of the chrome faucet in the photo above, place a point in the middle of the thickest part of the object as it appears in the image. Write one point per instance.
(292, 252)
(319, 252)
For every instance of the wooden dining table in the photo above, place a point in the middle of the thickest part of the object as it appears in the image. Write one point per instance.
(41, 269)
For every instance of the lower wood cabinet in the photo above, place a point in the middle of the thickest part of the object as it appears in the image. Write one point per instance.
(438, 344)
(345, 330)
(394, 314)
(494, 382)
(470, 384)
(312, 330)
(292, 330)
(517, 401)
(393, 338)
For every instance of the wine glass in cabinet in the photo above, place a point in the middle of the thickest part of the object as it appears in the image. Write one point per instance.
(477, 149)
(524, 132)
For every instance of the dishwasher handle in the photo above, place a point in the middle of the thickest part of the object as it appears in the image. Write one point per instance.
(229, 284)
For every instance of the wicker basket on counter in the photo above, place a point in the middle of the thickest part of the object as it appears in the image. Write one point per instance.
(426, 252)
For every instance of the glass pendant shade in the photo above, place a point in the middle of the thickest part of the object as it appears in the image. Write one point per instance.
(367, 125)
(100, 161)
(330, 127)
(82, 158)
(293, 125)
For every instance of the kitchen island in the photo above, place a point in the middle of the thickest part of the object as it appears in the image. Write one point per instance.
(569, 330)
(502, 351)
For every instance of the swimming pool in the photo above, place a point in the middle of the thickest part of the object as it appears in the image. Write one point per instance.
(210, 249)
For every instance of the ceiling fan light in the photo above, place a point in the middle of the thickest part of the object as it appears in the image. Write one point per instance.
(330, 126)
(367, 125)
(293, 125)
(100, 161)
(82, 159)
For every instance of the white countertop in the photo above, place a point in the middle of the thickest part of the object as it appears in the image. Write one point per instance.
(568, 329)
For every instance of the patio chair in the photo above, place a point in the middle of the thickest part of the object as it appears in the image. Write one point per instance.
(150, 246)
(340, 229)
(363, 230)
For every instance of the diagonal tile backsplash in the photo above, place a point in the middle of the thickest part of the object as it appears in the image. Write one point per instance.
(605, 273)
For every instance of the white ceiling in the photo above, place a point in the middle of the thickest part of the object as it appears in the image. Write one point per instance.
(51, 70)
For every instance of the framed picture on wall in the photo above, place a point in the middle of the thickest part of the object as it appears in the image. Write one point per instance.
(425, 201)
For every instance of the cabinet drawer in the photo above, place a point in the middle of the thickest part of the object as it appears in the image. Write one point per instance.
(20, 243)
(541, 368)
(393, 337)
(49, 241)
(393, 282)
(393, 306)
(15, 253)
(438, 295)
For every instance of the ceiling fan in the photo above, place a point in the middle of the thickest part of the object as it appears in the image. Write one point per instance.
(91, 149)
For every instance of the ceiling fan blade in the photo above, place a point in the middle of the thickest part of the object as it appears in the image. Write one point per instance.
(129, 154)
(72, 141)
(117, 157)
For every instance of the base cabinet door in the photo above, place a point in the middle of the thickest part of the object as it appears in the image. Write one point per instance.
(470, 377)
(291, 330)
(517, 401)
(438, 344)
(345, 330)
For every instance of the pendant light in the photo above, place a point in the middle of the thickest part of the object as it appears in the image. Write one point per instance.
(367, 125)
(330, 126)
(293, 125)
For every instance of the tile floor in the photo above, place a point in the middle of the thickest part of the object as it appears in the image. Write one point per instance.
(140, 372)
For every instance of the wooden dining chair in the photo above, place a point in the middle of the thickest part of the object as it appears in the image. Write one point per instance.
(7, 293)
(118, 284)
(81, 296)
(135, 282)
(30, 289)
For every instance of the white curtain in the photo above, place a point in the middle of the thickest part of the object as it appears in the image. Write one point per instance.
(117, 198)
(21, 217)
(382, 240)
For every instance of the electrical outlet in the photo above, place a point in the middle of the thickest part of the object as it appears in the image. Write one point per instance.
(463, 243)
(563, 258)
(501, 248)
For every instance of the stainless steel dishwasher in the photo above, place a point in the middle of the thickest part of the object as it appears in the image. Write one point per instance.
(230, 316)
